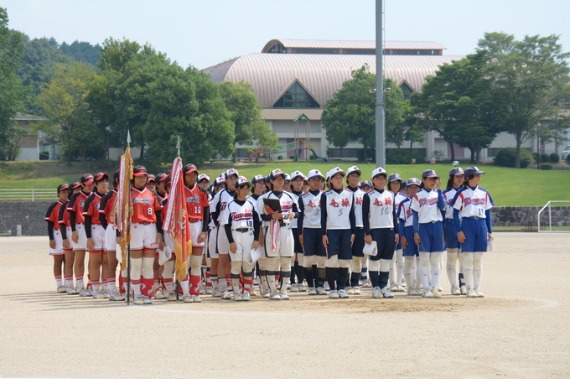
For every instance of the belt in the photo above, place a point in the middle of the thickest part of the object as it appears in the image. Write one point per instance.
(242, 230)
(142, 223)
(476, 218)
(193, 220)
(430, 222)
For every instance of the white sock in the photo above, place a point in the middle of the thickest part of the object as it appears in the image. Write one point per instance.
(477, 270)
(452, 266)
(435, 271)
(468, 270)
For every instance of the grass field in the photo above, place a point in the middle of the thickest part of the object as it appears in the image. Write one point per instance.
(508, 186)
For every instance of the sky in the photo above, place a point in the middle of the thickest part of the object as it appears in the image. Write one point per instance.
(204, 33)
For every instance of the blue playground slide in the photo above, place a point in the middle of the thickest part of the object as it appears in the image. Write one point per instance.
(316, 155)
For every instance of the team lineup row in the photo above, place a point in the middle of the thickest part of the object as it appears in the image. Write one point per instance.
(312, 233)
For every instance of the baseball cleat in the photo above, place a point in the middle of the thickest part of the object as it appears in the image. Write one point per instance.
(471, 293)
(479, 293)
(386, 293)
(427, 293)
(342, 294)
(333, 294)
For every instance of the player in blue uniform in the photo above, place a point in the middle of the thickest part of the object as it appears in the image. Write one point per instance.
(454, 182)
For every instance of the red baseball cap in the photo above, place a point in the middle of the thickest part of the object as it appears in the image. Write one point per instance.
(87, 179)
(140, 171)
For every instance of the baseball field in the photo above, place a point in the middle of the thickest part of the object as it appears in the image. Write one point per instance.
(520, 329)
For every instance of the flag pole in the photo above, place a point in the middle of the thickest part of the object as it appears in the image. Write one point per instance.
(177, 281)
(129, 226)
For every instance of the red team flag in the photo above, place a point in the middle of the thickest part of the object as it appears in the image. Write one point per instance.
(176, 220)
(123, 205)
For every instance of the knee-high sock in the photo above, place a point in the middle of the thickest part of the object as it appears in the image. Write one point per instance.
(425, 270)
(136, 269)
(374, 273)
(452, 266)
(468, 269)
(409, 263)
(384, 274)
(147, 276)
(399, 256)
(195, 274)
(477, 270)
(435, 270)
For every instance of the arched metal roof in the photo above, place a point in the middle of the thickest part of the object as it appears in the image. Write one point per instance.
(321, 75)
(344, 44)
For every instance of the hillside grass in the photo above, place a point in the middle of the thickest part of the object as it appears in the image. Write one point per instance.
(508, 186)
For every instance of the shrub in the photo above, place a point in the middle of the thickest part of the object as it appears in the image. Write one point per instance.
(554, 158)
(401, 156)
(280, 157)
(568, 159)
(506, 157)
(546, 166)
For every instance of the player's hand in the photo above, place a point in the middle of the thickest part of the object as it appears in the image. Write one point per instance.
(417, 238)
(396, 238)
(160, 241)
(325, 241)
(74, 237)
(233, 248)
(404, 242)
(277, 215)
(291, 215)
(368, 239)
(89, 244)
(202, 237)
(66, 244)
(352, 237)
(490, 236)
(52, 244)
(302, 240)
(255, 245)
(461, 237)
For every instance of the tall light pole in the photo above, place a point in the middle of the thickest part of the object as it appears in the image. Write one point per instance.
(380, 111)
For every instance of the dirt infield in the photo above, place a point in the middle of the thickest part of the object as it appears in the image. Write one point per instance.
(520, 329)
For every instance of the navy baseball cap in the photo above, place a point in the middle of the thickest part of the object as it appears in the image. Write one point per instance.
(366, 183)
(429, 173)
(473, 171)
(456, 171)
(395, 178)
(413, 182)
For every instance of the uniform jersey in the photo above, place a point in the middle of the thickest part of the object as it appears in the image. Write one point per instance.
(337, 210)
(398, 198)
(107, 205)
(295, 195)
(310, 209)
(286, 200)
(358, 198)
(405, 212)
(220, 202)
(196, 201)
(425, 203)
(448, 196)
(240, 214)
(52, 214)
(92, 207)
(63, 216)
(145, 205)
(472, 202)
(254, 199)
(379, 210)
(76, 205)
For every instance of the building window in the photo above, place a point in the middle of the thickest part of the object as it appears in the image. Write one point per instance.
(296, 97)
(406, 90)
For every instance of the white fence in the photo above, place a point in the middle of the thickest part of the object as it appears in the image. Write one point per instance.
(33, 194)
(558, 223)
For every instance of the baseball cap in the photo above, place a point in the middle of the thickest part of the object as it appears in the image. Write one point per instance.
(315, 173)
(242, 182)
(277, 172)
(100, 176)
(63, 187)
(163, 176)
(267, 178)
(473, 171)
(413, 182)
(336, 170)
(190, 167)
(219, 180)
(116, 176)
(353, 169)
(295, 174)
(231, 172)
(287, 178)
(429, 173)
(395, 178)
(203, 177)
(75, 186)
(151, 178)
(366, 183)
(258, 178)
(456, 171)
(87, 179)
(403, 185)
(139, 171)
(378, 171)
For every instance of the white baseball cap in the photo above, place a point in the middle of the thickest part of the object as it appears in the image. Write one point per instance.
(202, 177)
(230, 172)
(295, 174)
(378, 171)
(242, 181)
(275, 173)
(334, 171)
(353, 169)
(314, 173)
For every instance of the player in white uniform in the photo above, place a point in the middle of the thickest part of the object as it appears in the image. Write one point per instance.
(411, 256)
(278, 235)
(472, 216)
(428, 208)
(242, 223)
(358, 258)
(219, 185)
(397, 263)
(258, 189)
(380, 225)
(314, 260)
(454, 182)
(297, 272)
(337, 227)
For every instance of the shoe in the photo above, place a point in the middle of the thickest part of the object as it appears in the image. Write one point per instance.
(284, 296)
(333, 294)
(326, 286)
(226, 295)
(196, 298)
(479, 293)
(356, 291)
(187, 299)
(387, 293)
(321, 291)
(471, 293)
(171, 296)
(302, 288)
(216, 292)
(455, 291)
(138, 300)
(376, 293)
(393, 287)
(97, 295)
(350, 290)
(61, 289)
(159, 294)
(342, 294)
(463, 290)
(312, 291)
(116, 296)
(295, 288)
(400, 288)
(435, 293)
(427, 293)
(237, 295)
(208, 290)
(71, 290)
(245, 296)
(274, 296)
(83, 292)
(366, 283)
(252, 292)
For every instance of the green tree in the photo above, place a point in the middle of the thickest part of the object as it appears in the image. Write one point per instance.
(65, 103)
(245, 113)
(11, 90)
(528, 78)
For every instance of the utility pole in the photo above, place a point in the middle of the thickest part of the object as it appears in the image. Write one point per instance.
(380, 111)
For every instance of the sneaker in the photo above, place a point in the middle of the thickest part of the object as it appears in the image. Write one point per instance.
(342, 294)
(84, 292)
(208, 290)
(435, 293)
(226, 295)
(71, 290)
(400, 288)
(295, 288)
(302, 288)
(326, 286)
(97, 295)
(427, 293)
(245, 296)
(284, 296)
(471, 293)
(386, 293)
(146, 300)
(160, 294)
(312, 291)
(321, 291)
(366, 283)
(455, 291)
(333, 294)
(479, 293)
(187, 299)
(274, 296)
(376, 293)
(116, 296)
(463, 290)
(61, 289)
(356, 291)
(138, 300)
(171, 296)
(393, 287)
(237, 295)
(216, 292)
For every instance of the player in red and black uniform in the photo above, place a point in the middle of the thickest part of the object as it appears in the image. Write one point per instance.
(65, 229)
(159, 183)
(78, 236)
(95, 234)
(55, 238)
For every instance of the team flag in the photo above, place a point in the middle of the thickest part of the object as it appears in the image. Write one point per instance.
(123, 206)
(176, 220)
